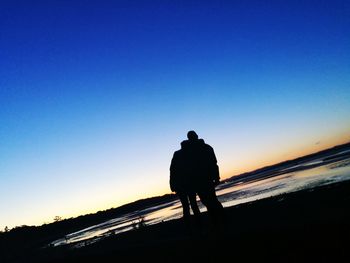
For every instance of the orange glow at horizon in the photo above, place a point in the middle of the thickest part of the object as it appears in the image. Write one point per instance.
(250, 165)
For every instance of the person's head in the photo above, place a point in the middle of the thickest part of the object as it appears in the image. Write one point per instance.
(192, 136)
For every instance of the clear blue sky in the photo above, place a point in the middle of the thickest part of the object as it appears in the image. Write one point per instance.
(95, 96)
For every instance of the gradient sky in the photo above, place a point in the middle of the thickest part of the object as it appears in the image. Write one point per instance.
(95, 96)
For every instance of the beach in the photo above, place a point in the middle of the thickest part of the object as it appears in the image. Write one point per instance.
(304, 226)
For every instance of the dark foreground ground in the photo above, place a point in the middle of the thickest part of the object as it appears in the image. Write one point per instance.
(306, 226)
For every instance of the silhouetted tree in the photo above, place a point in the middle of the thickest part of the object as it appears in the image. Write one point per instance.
(57, 219)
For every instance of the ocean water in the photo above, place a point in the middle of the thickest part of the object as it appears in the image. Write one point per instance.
(302, 176)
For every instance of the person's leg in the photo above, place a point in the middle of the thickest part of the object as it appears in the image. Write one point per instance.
(196, 213)
(214, 207)
(193, 202)
(185, 205)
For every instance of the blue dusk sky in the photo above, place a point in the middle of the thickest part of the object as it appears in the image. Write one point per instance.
(95, 96)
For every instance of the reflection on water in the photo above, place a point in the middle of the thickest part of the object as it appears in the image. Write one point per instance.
(229, 194)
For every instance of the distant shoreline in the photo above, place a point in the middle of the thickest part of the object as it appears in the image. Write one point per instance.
(261, 172)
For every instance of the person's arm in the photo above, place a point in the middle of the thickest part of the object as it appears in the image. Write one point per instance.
(216, 174)
(214, 167)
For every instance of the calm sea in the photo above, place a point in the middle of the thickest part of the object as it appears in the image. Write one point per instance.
(307, 177)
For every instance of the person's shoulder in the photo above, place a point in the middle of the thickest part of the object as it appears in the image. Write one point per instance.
(205, 144)
(185, 143)
(177, 152)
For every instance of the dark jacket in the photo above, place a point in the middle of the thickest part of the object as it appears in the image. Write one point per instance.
(193, 167)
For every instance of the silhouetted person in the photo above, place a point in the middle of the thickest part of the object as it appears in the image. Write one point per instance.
(180, 183)
(198, 172)
(201, 165)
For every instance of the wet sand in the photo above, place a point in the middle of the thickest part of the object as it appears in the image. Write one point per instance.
(306, 226)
